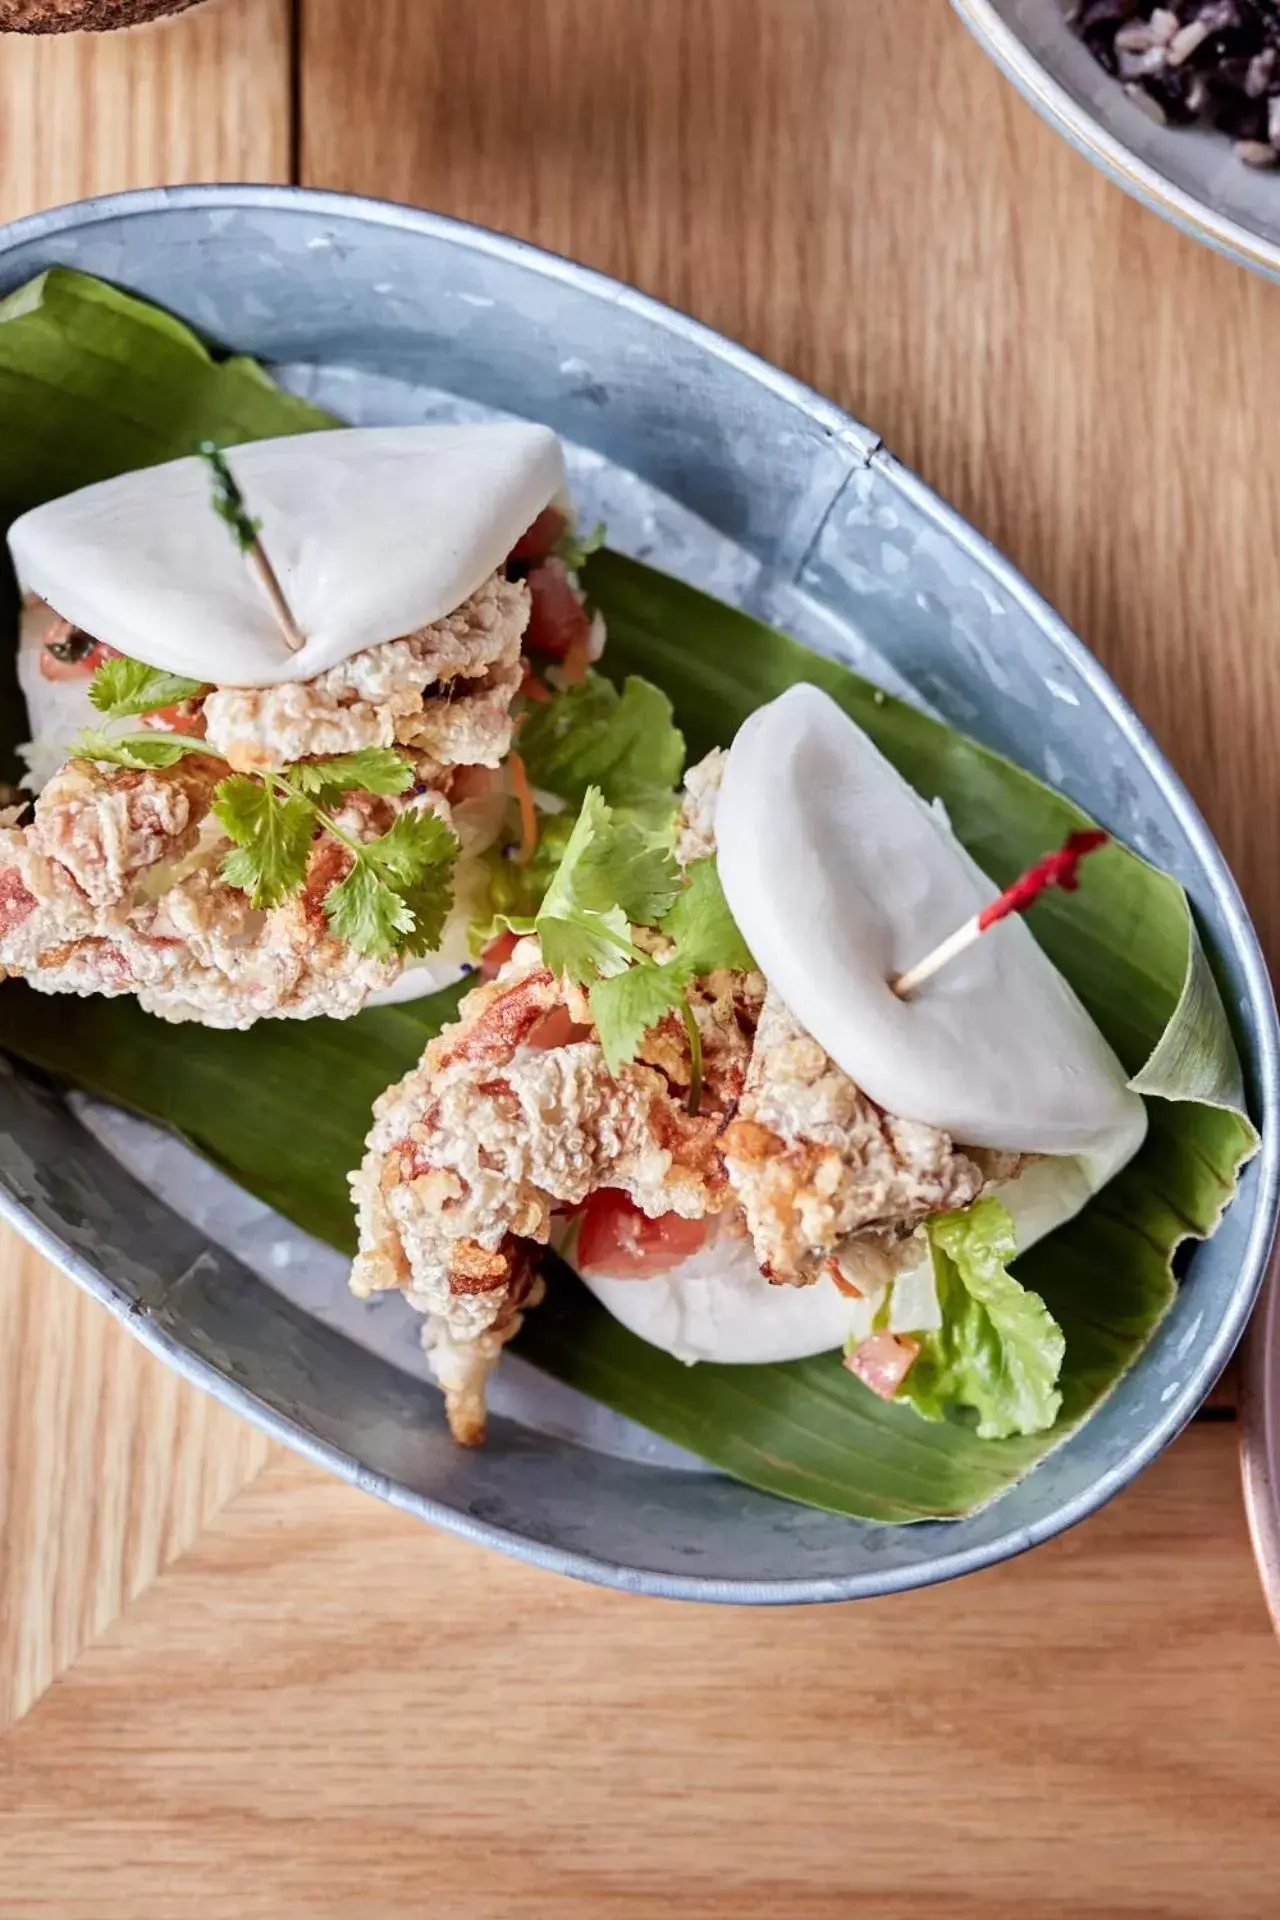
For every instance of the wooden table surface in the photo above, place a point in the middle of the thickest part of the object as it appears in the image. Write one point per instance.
(230, 1685)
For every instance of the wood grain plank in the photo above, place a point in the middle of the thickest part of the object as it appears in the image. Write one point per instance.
(108, 1464)
(854, 191)
(202, 96)
(326, 1710)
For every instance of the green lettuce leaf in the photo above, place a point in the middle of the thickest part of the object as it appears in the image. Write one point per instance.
(999, 1350)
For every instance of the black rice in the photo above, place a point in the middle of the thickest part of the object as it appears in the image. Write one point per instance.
(1212, 62)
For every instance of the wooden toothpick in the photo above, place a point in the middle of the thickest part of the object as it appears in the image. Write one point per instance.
(229, 505)
(1061, 869)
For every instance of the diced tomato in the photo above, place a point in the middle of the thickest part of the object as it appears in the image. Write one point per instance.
(537, 541)
(186, 717)
(883, 1362)
(82, 666)
(557, 619)
(616, 1238)
(496, 955)
(556, 1029)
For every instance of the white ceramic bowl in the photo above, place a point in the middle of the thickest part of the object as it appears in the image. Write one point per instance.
(1189, 174)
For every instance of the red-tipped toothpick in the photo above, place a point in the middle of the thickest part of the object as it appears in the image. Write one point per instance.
(1061, 869)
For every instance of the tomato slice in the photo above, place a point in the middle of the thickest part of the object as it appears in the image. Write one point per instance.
(558, 621)
(556, 1029)
(616, 1238)
(496, 955)
(537, 541)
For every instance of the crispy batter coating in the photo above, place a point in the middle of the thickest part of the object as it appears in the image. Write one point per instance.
(696, 834)
(446, 691)
(513, 1113)
(822, 1173)
(113, 887)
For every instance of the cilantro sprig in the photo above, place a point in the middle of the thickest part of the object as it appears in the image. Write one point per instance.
(398, 890)
(140, 751)
(228, 502)
(625, 743)
(396, 895)
(617, 875)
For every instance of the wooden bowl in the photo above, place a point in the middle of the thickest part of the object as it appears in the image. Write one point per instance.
(74, 16)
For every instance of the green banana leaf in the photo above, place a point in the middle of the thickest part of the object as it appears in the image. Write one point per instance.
(284, 1108)
(94, 383)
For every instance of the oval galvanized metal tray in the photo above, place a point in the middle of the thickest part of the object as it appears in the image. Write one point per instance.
(718, 466)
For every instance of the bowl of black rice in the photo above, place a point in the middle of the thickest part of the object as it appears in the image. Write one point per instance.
(1178, 102)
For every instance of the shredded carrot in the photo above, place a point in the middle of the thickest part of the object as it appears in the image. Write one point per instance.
(532, 686)
(577, 658)
(842, 1285)
(528, 812)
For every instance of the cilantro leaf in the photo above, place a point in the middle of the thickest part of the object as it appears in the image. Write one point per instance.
(575, 548)
(626, 744)
(368, 770)
(611, 874)
(368, 914)
(999, 1350)
(586, 946)
(411, 847)
(622, 866)
(273, 833)
(430, 901)
(626, 1006)
(123, 687)
(705, 933)
(398, 893)
(139, 750)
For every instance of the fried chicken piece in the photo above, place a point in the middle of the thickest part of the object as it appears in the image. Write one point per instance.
(114, 888)
(511, 1113)
(696, 829)
(822, 1173)
(446, 691)
(104, 827)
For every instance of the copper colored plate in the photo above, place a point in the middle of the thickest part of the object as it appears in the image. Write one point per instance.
(1260, 1436)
